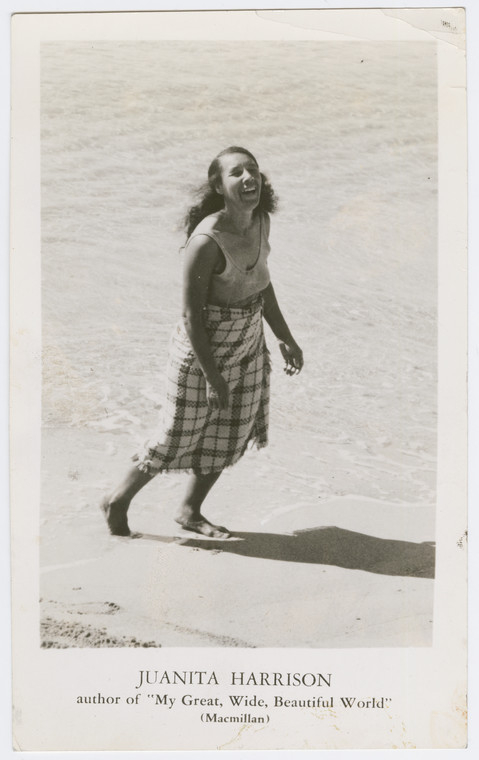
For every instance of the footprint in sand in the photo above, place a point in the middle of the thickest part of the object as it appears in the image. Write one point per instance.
(95, 608)
(89, 608)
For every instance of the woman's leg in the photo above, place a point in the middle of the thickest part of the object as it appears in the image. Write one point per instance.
(189, 515)
(116, 505)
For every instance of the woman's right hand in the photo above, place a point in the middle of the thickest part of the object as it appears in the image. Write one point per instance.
(217, 393)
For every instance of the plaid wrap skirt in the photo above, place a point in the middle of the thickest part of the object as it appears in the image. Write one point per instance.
(192, 437)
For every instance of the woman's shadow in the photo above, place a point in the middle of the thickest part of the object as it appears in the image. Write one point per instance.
(327, 545)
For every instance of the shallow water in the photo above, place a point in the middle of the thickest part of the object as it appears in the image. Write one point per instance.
(347, 134)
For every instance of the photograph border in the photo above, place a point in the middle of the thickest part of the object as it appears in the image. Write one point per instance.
(449, 376)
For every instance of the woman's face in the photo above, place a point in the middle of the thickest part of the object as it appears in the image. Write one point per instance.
(240, 181)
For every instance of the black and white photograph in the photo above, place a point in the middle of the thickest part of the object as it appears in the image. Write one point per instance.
(342, 269)
(239, 398)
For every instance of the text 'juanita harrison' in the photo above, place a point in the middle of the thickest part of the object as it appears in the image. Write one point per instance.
(235, 678)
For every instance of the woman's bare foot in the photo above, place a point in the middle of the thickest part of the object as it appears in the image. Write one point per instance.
(199, 524)
(115, 516)
(115, 506)
(189, 514)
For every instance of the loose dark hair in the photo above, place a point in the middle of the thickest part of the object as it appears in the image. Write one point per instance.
(210, 201)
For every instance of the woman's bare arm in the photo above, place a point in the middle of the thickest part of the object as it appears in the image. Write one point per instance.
(292, 354)
(201, 257)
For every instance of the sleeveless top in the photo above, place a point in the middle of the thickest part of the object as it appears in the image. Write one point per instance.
(236, 284)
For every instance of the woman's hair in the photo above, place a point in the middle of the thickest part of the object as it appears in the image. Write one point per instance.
(210, 201)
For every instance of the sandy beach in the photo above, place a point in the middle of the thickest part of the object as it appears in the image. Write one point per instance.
(334, 522)
(277, 582)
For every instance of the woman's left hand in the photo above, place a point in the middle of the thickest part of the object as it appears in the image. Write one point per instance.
(293, 357)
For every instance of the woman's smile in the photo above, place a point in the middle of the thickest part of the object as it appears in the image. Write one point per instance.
(250, 191)
(240, 179)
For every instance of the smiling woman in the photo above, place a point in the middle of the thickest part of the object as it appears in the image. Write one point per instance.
(218, 367)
